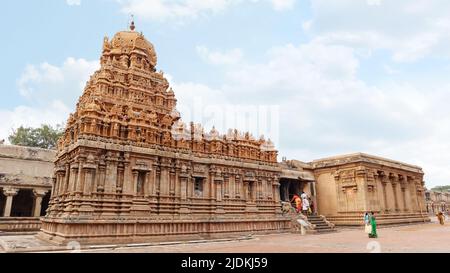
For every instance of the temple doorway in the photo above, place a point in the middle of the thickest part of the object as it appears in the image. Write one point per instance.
(22, 205)
(289, 187)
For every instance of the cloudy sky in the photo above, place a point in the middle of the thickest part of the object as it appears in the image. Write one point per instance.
(339, 76)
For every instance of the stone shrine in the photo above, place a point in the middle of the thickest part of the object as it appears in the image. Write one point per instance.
(128, 168)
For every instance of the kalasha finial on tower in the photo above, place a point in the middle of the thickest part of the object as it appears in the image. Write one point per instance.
(132, 26)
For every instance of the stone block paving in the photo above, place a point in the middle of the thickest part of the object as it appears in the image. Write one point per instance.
(421, 238)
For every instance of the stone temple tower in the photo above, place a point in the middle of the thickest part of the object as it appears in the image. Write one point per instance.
(129, 169)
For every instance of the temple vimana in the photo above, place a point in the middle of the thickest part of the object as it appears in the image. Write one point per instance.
(129, 169)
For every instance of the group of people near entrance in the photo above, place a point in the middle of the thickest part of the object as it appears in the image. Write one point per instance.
(303, 204)
(370, 224)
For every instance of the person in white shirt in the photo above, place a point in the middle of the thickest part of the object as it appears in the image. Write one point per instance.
(305, 206)
(304, 196)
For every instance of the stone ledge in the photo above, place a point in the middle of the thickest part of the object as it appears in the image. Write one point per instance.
(46, 249)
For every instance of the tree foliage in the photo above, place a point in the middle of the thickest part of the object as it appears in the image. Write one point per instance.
(441, 188)
(45, 137)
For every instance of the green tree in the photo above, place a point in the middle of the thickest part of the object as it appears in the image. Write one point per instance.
(43, 137)
(441, 188)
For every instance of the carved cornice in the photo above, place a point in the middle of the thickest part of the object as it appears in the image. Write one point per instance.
(363, 158)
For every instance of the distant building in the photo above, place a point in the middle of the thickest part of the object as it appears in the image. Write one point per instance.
(437, 201)
(25, 185)
(349, 185)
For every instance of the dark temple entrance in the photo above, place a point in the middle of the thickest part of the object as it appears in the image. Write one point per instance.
(2, 202)
(289, 187)
(22, 205)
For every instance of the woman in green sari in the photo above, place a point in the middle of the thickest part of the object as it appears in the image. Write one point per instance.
(373, 223)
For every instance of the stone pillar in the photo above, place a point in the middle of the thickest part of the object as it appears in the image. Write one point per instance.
(89, 173)
(218, 181)
(157, 178)
(184, 178)
(111, 174)
(226, 186)
(316, 209)
(38, 195)
(259, 189)
(101, 178)
(405, 194)
(72, 178)
(237, 187)
(276, 195)
(394, 189)
(148, 190)
(190, 187)
(413, 192)
(245, 193)
(183, 187)
(269, 189)
(381, 189)
(253, 189)
(276, 191)
(173, 181)
(165, 178)
(361, 182)
(9, 193)
(66, 183)
(384, 186)
(135, 183)
(55, 187)
(421, 196)
(127, 186)
(80, 181)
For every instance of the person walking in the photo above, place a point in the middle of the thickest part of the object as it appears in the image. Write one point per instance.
(373, 224)
(441, 218)
(367, 227)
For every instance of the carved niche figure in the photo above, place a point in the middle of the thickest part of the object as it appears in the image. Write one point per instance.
(151, 117)
(125, 61)
(116, 111)
(166, 139)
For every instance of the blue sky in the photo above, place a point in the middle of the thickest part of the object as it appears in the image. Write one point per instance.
(343, 76)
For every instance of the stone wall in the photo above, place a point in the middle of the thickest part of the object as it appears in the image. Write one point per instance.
(25, 185)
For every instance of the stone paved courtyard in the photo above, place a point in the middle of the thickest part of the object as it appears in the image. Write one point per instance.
(415, 238)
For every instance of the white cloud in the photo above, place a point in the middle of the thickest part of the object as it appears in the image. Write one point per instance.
(410, 30)
(73, 2)
(55, 112)
(41, 83)
(233, 56)
(390, 71)
(162, 10)
(283, 4)
(51, 92)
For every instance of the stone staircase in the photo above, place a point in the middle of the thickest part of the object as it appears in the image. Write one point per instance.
(320, 224)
